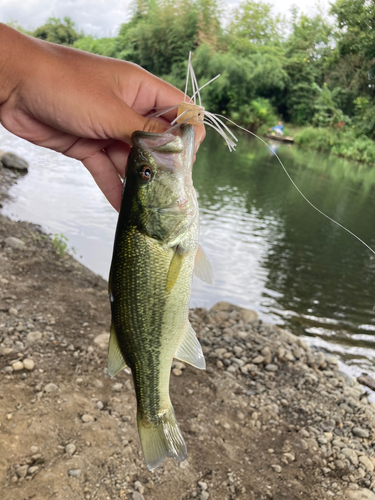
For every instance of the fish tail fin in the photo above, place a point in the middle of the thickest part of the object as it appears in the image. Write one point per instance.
(161, 439)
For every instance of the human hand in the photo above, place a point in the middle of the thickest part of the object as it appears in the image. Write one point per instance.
(79, 104)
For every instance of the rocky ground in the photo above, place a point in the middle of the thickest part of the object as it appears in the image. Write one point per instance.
(268, 419)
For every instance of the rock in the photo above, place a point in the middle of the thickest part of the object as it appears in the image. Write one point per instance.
(177, 372)
(137, 496)
(246, 315)
(50, 388)
(117, 387)
(22, 470)
(139, 487)
(87, 419)
(271, 368)
(222, 306)
(34, 337)
(258, 360)
(34, 449)
(360, 494)
(14, 243)
(204, 495)
(17, 366)
(74, 472)
(29, 364)
(33, 470)
(364, 460)
(15, 162)
(70, 449)
(99, 405)
(179, 365)
(102, 340)
(13, 311)
(363, 433)
(202, 485)
(276, 468)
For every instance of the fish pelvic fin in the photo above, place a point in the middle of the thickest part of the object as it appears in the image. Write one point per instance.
(161, 439)
(202, 267)
(116, 360)
(190, 349)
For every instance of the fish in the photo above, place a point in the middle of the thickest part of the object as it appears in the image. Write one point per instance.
(156, 251)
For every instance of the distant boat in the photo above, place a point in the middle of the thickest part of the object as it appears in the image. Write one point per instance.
(281, 138)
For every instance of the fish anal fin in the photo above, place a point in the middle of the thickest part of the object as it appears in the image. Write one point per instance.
(190, 350)
(174, 269)
(116, 360)
(202, 267)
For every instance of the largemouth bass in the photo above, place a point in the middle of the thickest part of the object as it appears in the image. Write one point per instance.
(155, 253)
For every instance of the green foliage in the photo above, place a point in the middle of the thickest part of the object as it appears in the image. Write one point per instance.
(57, 31)
(256, 114)
(337, 142)
(308, 71)
(101, 46)
(60, 244)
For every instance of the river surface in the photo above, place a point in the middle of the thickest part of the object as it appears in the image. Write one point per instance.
(270, 251)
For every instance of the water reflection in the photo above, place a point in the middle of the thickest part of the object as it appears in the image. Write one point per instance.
(269, 249)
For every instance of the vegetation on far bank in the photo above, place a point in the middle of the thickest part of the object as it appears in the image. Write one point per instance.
(316, 72)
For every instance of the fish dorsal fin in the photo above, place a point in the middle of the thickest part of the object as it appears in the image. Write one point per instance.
(116, 360)
(174, 269)
(202, 267)
(190, 349)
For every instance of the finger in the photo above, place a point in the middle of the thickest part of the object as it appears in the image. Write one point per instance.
(118, 153)
(106, 177)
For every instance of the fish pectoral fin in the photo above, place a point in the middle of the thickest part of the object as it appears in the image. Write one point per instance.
(202, 267)
(174, 269)
(190, 350)
(116, 360)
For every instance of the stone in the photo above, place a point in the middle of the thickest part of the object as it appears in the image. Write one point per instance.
(247, 316)
(50, 388)
(258, 360)
(202, 485)
(22, 471)
(364, 460)
(360, 494)
(70, 449)
(99, 405)
(177, 372)
(137, 496)
(87, 419)
(33, 470)
(13, 311)
(276, 468)
(363, 433)
(14, 243)
(34, 337)
(29, 364)
(74, 472)
(117, 387)
(204, 495)
(271, 368)
(17, 366)
(102, 340)
(15, 162)
(139, 487)
(222, 306)
(34, 449)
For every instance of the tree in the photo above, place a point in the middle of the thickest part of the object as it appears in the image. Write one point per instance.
(57, 31)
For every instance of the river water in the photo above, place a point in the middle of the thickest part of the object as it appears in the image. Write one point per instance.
(270, 251)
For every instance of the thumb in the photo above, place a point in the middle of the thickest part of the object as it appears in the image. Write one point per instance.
(123, 121)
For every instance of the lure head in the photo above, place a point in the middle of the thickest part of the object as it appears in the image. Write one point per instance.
(160, 173)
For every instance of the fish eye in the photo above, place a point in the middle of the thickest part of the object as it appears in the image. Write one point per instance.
(146, 173)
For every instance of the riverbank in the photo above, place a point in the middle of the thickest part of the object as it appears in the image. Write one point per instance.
(268, 419)
(342, 143)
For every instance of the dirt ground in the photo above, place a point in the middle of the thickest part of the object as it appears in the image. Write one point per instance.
(68, 431)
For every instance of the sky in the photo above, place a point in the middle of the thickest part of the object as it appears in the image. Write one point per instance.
(103, 17)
